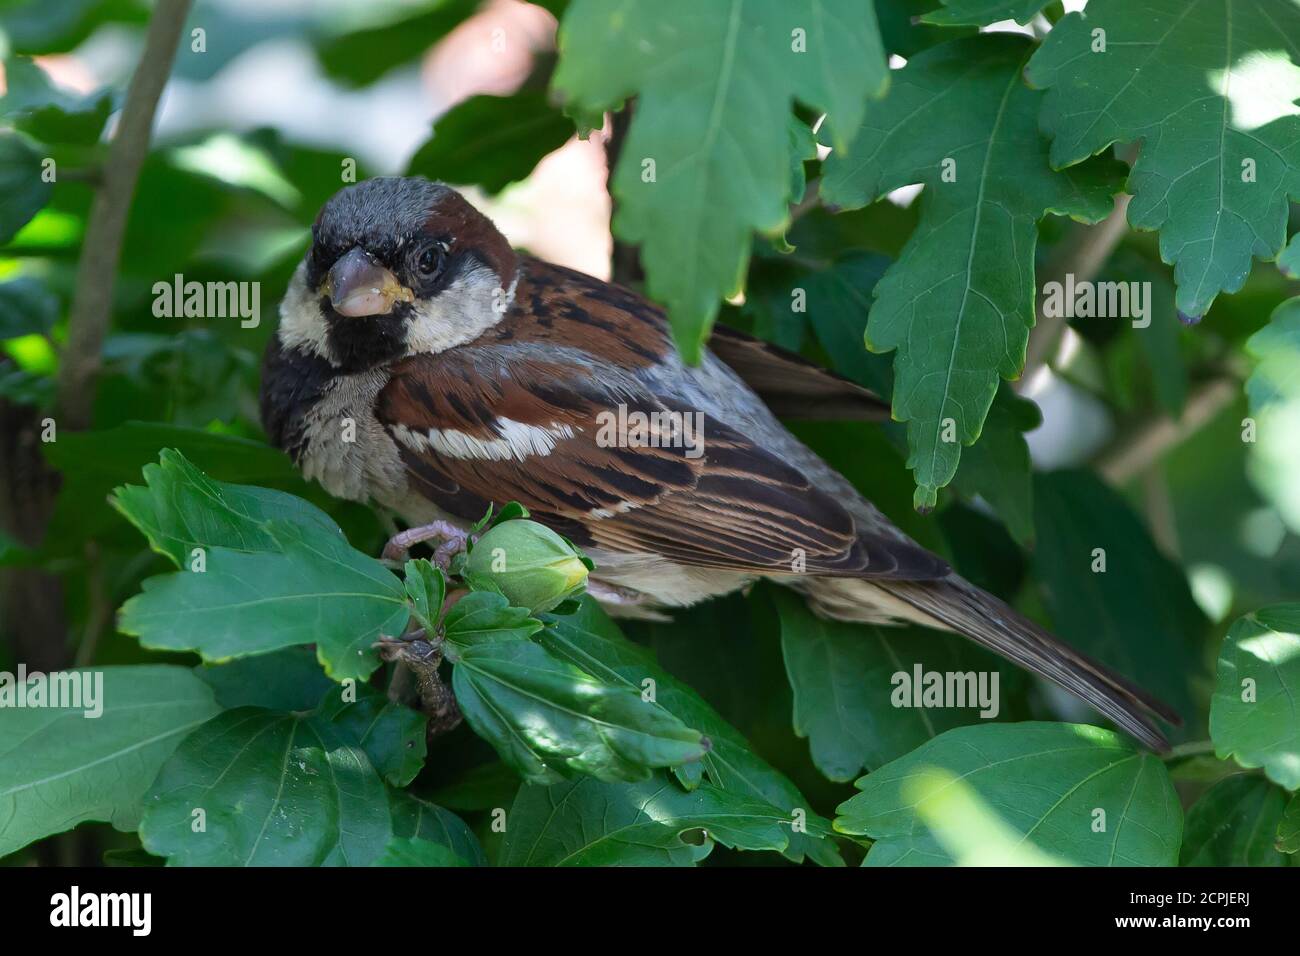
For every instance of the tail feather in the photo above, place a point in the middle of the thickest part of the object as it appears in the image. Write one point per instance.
(979, 616)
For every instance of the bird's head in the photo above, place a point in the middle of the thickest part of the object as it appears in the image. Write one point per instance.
(396, 267)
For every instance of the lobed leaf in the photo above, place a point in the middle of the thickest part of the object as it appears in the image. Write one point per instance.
(1255, 710)
(1208, 90)
(715, 83)
(958, 303)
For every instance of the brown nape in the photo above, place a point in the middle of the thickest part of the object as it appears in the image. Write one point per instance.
(465, 228)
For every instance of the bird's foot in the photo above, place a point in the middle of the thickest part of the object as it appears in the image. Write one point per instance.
(451, 540)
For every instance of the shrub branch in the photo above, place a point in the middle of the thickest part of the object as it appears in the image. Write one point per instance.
(101, 250)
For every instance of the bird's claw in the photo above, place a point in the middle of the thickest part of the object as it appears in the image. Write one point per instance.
(451, 540)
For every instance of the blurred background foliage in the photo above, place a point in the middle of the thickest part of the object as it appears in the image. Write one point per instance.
(252, 136)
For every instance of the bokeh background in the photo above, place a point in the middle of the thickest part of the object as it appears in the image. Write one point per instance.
(251, 136)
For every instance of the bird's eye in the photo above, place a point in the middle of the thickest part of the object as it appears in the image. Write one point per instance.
(430, 261)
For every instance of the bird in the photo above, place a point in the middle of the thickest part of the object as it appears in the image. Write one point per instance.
(423, 365)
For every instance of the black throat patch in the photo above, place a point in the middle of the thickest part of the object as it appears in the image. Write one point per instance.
(362, 343)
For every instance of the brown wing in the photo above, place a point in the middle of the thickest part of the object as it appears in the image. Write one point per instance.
(790, 385)
(503, 420)
(622, 326)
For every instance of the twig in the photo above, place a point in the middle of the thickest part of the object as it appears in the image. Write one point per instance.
(1082, 255)
(1135, 451)
(102, 248)
(1194, 748)
(811, 197)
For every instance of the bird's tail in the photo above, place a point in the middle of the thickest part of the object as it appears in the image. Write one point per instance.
(957, 605)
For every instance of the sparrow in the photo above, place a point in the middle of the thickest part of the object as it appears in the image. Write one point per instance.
(423, 365)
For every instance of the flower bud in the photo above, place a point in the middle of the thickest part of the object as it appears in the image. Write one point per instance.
(528, 563)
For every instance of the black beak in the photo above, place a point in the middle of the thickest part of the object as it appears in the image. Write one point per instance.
(358, 286)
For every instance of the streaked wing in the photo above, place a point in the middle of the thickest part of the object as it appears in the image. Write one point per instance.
(790, 385)
(502, 420)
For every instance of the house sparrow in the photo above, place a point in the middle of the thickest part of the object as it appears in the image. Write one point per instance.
(422, 364)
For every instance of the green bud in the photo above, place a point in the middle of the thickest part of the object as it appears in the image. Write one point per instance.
(528, 563)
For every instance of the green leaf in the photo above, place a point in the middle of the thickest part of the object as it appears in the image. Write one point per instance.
(289, 679)
(1288, 260)
(118, 454)
(484, 617)
(1288, 828)
(1255, 711)
(593, 642)
(1074, 791)
(959, 302)
(182, 508)
(360, 57)
(1276, 350)
(427, 588)
(1235, 823)
(415, 818)
(27, 307)
(1207, 88)
(411, 851)
(1160, 341)
(274, 789)
(316, 589)
(714, 83)
(34, 26)
(844, 687)
(589, 823)
(1110, 614)
(59, 767)
(998, 467)
(492, 141)
(838, 301)
(21, 185)
(548, 719)
(49, 114)
(980, 13)
(1274, 392)
(393, 736)
(484, 787)
(964, 826)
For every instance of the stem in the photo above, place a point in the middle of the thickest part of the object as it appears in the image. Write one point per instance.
(1195, 748)
(102, 248)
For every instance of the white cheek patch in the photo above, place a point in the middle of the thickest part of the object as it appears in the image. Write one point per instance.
(517, 441)
(460, 313)
(302, 326)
